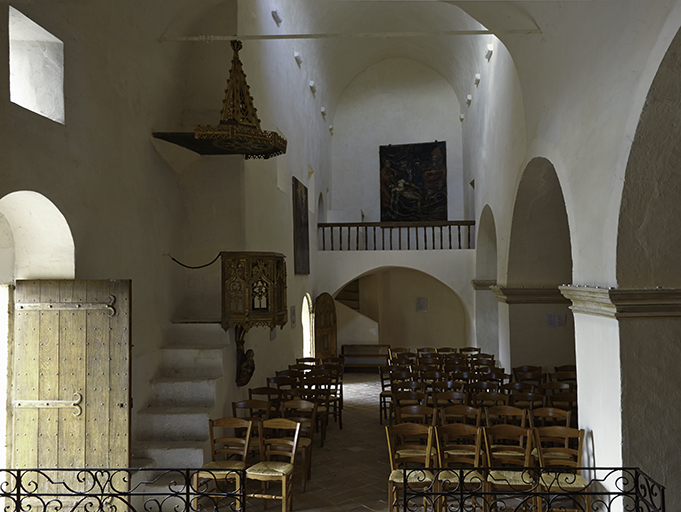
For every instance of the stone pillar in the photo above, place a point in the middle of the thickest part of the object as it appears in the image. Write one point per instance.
(629, 378)
(486, 317)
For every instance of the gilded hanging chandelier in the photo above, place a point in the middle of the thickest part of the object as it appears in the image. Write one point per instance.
(238, 132)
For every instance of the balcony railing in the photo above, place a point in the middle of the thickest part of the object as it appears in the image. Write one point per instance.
(531, 489)
(396, 236)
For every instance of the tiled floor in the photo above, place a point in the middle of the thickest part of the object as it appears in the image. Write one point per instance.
(350, 473)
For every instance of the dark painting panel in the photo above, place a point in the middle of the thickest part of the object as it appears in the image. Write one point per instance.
(414, 182)
(301, 232)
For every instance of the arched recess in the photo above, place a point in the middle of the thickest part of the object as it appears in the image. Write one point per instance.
(407, 308)
(486, 308)
(649, 279)
(540, 326)
(42, 242)
(307, 322)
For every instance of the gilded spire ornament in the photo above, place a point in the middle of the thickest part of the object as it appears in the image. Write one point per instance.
(239, 130)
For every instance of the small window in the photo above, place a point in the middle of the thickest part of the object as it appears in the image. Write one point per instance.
(36, 68)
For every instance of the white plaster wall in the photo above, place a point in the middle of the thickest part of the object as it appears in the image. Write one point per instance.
(397, 101)
(390, 295)
(354, 327)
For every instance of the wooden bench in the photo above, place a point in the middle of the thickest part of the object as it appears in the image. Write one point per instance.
(360, 353)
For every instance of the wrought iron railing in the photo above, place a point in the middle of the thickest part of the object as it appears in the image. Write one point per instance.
(396, 236)
(531, 489)
(118, 490)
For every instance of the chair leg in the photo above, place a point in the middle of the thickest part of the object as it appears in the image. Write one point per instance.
(284, 494)
(391, 497)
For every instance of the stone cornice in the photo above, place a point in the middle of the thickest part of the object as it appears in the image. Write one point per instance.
(529, 295)
(483, 284)
(624, 303)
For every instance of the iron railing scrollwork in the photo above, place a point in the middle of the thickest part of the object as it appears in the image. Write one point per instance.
(531, 490)
(119, 490)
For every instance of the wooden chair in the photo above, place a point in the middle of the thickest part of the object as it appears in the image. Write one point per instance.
(393, 352)
(274, 445)
(409, 444)
(286, 384)
(268, 393)
(385, 397)
(461, 414)
(509, 452)
(568, 402)
(305, 413)
(340, 361)
(254, 410)
(469, 350)
(446, 350)
(318, 389)
(336, 395)
(534, 378)
(222, 448)
(459, 446)
(517, 387)
(560, 457)
(506, 415)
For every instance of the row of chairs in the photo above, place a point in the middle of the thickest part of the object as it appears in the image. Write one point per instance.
(499, 457)
(476, 416)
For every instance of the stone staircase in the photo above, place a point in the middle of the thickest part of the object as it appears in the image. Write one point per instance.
(189, 389)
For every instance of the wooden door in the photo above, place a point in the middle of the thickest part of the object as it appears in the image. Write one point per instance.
(71, 374)
(325, 326)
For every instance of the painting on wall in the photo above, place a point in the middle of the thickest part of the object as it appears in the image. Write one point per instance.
(413, 182)
(301, 232)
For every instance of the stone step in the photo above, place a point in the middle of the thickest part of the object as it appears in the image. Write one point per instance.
(173, 454)
(197, 334)
(189, 362)
(174, 424)
(183, 391)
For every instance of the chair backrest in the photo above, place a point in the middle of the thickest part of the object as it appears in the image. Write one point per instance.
(409, 443)
(279, 439)
(559, 446)
(225, 446)
(526, 368)
(446, 350)
(489, 399)
(506, 415)
(469, 350)
(426, 350)
(534, 378)
(272, 395)
(440, 386)
(402, 398)
(508, 445)
(458, 445)
(445, 398)
(303, 412)
(528, 400)
(461, 414)
(416, 414)
(549, 416)
(550, 388)
(566, 368)
(520, 387)
(296, 374)
(252, 409)
(308, 360)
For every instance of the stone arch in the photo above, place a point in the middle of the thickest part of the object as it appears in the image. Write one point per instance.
(486, 309)
(540, 327)
(389, 296)
(40, 237)
(649, 233)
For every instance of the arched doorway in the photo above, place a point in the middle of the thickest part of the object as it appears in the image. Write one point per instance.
(540, 328)
(307, 323)
(486, 308)
(35, 243)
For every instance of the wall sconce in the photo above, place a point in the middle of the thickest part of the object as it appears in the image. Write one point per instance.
(313, 88)
(469, 100)
(298, 57)
(461, 117)
(476, 80)
(489, 52)
(323, 111)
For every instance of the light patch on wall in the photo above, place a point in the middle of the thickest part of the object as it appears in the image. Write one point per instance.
(556, 320)
(421, 304)
(36, 68)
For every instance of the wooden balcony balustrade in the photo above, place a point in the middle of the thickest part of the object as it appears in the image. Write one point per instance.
(396, 236)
